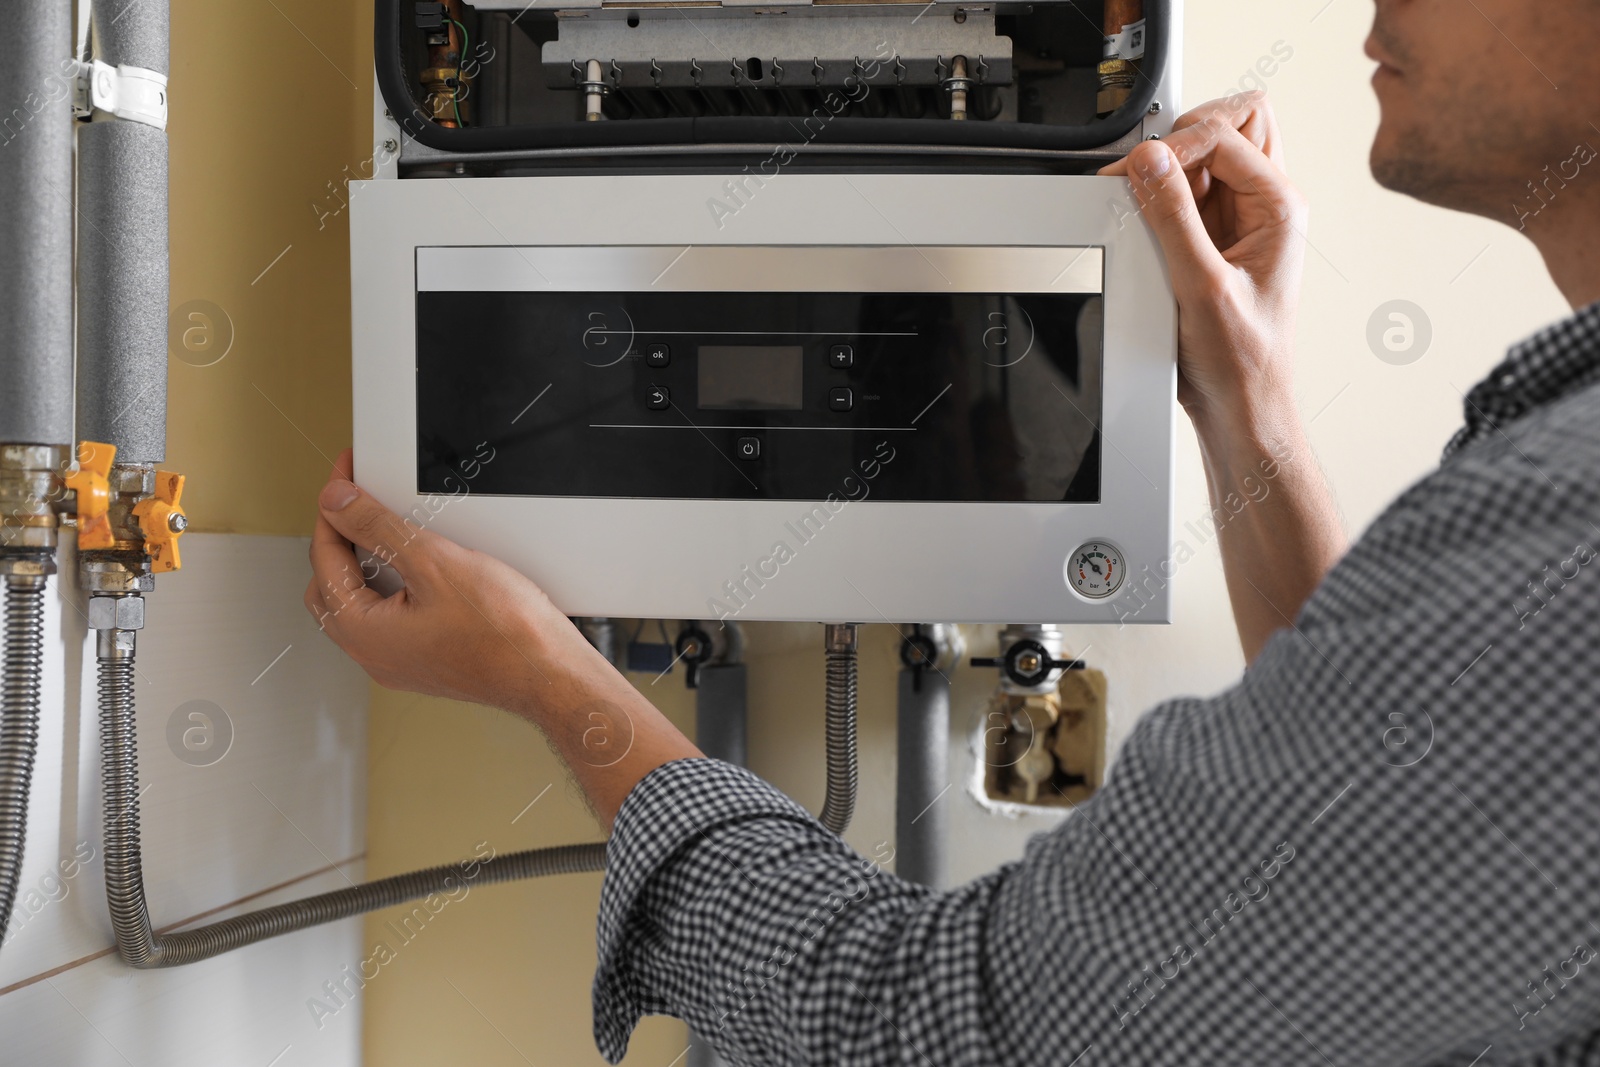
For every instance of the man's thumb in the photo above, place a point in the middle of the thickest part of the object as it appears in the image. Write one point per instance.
(1167, 203)
(364, 522)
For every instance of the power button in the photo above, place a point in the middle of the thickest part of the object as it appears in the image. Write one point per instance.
(748, 448)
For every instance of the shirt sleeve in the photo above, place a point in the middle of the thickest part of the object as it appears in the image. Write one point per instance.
(1376, 849)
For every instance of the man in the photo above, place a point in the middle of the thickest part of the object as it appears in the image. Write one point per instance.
(1376, 849)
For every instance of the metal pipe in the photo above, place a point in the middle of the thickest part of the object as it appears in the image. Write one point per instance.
(921, 821)
(839, 803)
(19, 725)
(139, 946)
(721, 712)
(600, 632)
(1117, 74)
(721, 720)
(122, 251)
(958, 85)
(594, 88)
(36, 224)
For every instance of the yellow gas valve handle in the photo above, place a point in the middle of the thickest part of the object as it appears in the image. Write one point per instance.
(92, 482)
(162, 520)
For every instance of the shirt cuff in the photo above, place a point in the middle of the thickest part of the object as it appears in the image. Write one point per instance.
(669, 809)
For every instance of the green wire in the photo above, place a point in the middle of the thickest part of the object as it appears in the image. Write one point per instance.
(455, 99)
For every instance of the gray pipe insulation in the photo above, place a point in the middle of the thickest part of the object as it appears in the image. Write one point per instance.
(122, 251)
(721, 721)
(36, 224)
(36, 81)
(721, 712)
(921, 815)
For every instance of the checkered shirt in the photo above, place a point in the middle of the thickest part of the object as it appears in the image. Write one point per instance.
(1379, 847)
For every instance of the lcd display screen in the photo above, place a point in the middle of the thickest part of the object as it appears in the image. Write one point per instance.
(751, 377)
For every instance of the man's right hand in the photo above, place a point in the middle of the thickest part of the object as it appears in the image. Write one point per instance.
(1233, 230)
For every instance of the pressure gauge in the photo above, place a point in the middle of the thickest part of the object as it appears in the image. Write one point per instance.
(1096, 569)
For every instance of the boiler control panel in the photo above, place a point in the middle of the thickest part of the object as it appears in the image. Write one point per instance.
(863, 398)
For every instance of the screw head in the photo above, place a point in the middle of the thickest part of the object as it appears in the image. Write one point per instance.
(1155, 107)
(1153, 137)
(177, 523)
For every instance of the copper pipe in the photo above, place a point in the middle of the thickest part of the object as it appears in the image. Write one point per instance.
(1117, 75)
(444, 77)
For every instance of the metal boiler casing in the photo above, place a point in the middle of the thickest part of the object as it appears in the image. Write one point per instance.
(632, 389)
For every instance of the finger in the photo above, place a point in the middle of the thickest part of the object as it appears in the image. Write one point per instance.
(337, 581)
(1250, 113)
(1237, 163)
(345, 465)
(1167, 203)
(354, 516)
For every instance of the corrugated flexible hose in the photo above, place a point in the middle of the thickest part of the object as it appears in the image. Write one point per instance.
(839, 803)
(140, 946)
(19, 725)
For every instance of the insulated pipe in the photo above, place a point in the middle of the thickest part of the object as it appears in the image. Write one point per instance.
(721, 718)
(36, 224)
(37, 75)
(921, 822)
(19, 725)
(839, 803)
(721, 712)
(122, 251)
(138, 944)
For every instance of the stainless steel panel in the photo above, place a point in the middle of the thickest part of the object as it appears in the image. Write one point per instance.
(756, 269)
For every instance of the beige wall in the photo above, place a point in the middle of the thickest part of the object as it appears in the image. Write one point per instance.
(270, 103)
(444, 776)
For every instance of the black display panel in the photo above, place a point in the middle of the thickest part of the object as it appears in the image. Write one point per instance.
(786, 396)
(751, 377)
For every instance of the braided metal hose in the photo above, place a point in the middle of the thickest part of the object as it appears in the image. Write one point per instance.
(141, 947)
(19, 725)
(839, 803)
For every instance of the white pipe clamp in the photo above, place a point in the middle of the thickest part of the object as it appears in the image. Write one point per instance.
(136, 94)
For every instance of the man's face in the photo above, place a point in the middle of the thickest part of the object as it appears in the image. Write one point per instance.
(1471, 108)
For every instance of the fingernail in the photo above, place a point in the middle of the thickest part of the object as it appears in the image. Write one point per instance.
(1160, 163)
(335, 495)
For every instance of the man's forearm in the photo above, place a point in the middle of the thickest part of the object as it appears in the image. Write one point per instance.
(1276, 522)
(608, 734)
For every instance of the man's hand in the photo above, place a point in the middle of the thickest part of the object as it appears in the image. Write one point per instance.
(467, 626)
(1232, 228)
(1233, 231)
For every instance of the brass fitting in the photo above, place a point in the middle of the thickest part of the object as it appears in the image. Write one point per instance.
(442, 84)
(1116, 84)
(32, 493)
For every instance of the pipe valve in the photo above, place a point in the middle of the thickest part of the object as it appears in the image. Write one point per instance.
(92, 484)
(162, 521)
(142, 513)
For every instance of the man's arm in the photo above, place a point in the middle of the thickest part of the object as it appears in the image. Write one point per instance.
(1232, 228)
(468, 627)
